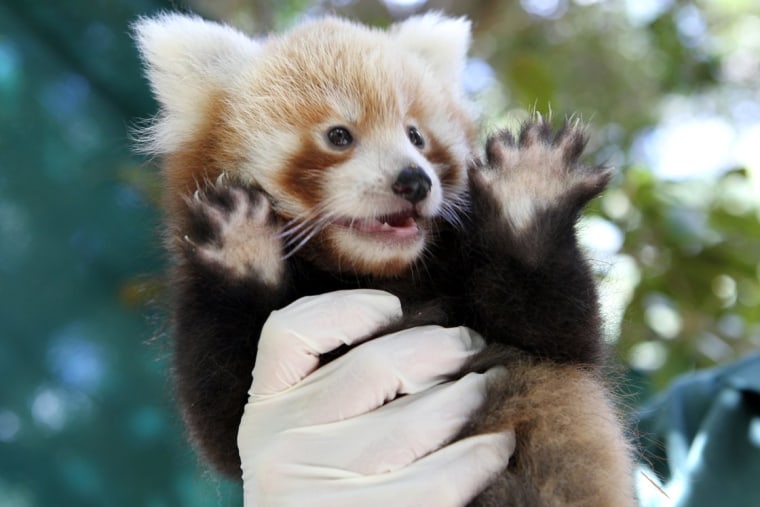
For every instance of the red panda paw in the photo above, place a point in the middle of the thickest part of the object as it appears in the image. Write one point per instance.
(538, 172)
(231, 227)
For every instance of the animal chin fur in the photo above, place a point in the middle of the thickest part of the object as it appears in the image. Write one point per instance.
(266, 203)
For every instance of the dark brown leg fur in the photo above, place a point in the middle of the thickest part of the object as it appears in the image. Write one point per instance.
(531, 286)
(225, 253)
(535, 300)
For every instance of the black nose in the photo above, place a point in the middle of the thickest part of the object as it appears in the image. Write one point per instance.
(412, 184)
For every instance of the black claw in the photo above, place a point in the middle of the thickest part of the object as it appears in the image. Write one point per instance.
(494, 144)
(598, 177)
(506, 138)
(493, 155)
(200, 228)
(527, 135)
(574, 148)
(545, 131)
(220, 198)
(535, 131)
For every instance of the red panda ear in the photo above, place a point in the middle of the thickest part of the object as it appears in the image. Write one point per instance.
(441, 41)
(186, 59)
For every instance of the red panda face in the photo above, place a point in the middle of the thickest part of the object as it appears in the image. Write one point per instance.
(360, 137)
(361, 149)
(366, 196)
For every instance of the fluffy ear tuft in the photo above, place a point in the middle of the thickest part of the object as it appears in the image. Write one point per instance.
(441, 41)
(186, 59)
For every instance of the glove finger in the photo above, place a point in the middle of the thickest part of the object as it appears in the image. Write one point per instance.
(450, 477)
(294, 337)
(394, 435)
(376, 372)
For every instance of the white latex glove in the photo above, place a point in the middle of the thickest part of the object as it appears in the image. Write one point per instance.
(330, 438)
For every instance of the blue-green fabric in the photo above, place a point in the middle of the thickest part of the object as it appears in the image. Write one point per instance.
(702, 438)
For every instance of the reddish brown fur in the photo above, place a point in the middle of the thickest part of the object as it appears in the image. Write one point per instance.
(565, 442)
(294, 77)
(213, 150)
(452, 174)
(303, 176)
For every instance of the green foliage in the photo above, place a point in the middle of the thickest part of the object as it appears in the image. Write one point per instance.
(698, 255)
(86, 416)
(691, 300)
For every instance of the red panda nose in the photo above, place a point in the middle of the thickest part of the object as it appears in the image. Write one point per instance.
(412, 184)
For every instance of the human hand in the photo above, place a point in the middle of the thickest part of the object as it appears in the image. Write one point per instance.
(339, 435)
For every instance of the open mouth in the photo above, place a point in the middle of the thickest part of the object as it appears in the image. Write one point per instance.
(396, 226)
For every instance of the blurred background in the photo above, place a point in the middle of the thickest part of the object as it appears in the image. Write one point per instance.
(671, 88)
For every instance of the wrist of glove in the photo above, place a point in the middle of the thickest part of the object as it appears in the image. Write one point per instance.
(371, 427)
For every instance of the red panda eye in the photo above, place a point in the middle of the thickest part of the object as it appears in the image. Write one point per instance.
(415, 137)
(340, 137)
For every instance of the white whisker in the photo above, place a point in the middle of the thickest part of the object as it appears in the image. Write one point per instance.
(306, 230)
(300, 245)
(454, 208)
(301, 229)
(293, 226)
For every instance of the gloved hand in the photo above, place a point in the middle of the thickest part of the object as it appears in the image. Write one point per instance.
(332, 437)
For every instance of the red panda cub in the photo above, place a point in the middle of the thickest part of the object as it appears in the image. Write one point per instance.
(337, 156)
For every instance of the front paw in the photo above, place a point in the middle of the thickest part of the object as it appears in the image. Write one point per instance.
(231, 228)
(538, 173)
